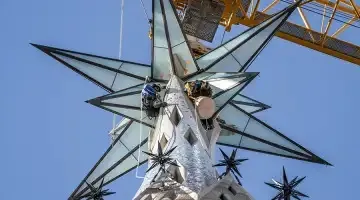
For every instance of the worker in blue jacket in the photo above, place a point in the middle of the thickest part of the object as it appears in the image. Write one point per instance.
(151, 99)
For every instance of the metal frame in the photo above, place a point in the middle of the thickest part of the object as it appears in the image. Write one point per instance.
(244, 67)
(322, 41)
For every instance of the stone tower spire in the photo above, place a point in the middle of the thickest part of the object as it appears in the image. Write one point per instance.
(179, 125)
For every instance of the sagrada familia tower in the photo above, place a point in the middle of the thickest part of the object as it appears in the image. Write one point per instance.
(179, 141)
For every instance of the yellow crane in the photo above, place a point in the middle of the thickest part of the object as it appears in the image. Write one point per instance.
(202, 17)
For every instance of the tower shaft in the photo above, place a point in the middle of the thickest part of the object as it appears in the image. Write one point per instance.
(179, 125)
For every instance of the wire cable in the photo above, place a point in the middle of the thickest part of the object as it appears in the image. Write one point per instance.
(320, 12)
(144, 9)
(140, 137)
(120, 54)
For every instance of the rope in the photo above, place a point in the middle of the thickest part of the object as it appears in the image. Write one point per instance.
(141, 108)
(144, 9)
(121, 27)
(140, 137)
(120, 53)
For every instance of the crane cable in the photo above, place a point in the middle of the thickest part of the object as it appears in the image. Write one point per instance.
(120, 51)
(121, 38)
(144, 9)
(141, 103)
(140, 138)
(318, 11)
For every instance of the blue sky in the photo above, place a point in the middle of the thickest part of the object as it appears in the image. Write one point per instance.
(50, 138)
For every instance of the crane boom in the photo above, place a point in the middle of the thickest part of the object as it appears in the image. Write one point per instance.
(248, 13)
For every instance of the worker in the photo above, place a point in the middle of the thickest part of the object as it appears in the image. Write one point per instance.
(150, 31)
(196, 86)
(151, 99)
(205, 89)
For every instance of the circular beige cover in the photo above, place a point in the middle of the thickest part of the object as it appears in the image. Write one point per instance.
(205, 106)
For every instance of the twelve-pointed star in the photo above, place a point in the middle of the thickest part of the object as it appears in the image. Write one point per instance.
(171, 55)
(161, 159)
(96, 193)
(231, 164)
(287, 189)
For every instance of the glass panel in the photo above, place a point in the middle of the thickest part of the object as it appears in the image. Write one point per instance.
(212, 56)
(127, 164)
(248, 49)
(212, 75)
(118, 130)
(123, 122)
(225, 84)
(135, 69)
(103, 61)
(162, 63)
(106, 77)
(129, 100)
(226, 64)
(248, 108)
(131, 137)
(243, 98)
(175, 33)
(252, 144)
(233, 116)
(118, 151)
(131, 140)
(159, 30)
(216, 75)
(257, 129)
(128, 90)
(123, 81)
(142, 155)
(238, 39)
(183, 52)
(228, 95)
(130, 113)
(201, 76)
(221, 75)
(177, 39)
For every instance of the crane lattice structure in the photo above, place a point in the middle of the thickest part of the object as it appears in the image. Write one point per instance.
(320, 28)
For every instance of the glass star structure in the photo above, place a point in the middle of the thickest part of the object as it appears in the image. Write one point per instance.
(225, 68)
